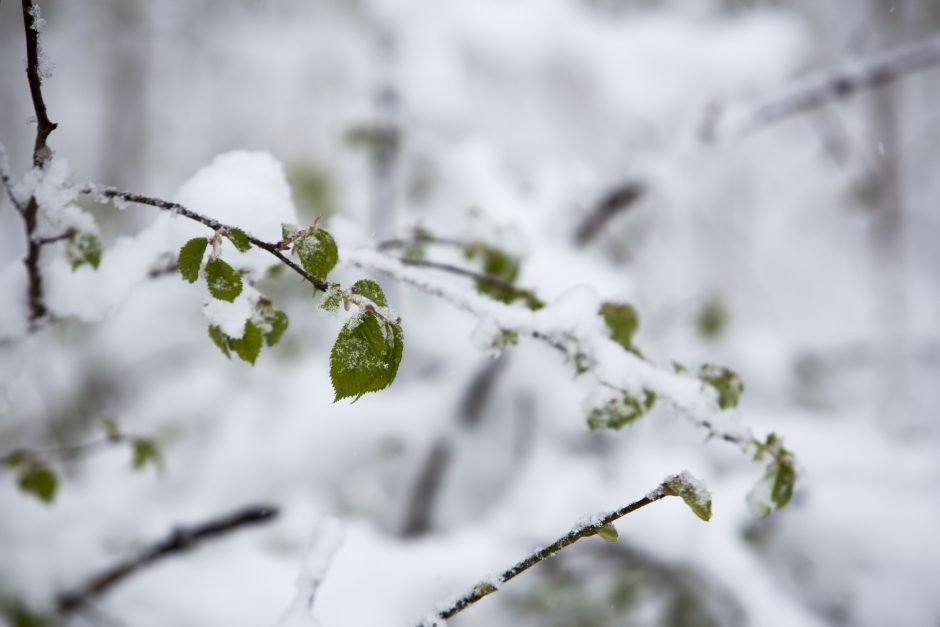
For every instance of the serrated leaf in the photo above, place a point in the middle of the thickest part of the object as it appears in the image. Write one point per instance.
(145, 451)
(220, 339)
(278, 325)
(608, 532)
(239, 238)
(366, 356)
(40, 481)
(622, 322)
(725, 381)
(371, 290)
(333, 299)
(224, 282)
(83, 248)
(190, 258)
(317, 252)
(248, 346)
(692, 492)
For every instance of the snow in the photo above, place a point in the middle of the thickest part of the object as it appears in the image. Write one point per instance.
(324, 543)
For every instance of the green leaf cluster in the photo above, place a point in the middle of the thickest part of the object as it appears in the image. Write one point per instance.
(33, 475)
(224, 282)
(366, 355)
(622, 323)
(725, 381)
(83, 248)
(621, 410)
(266, 326)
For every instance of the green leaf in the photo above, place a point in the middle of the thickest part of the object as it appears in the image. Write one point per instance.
(146, 451)
(725, 381)
(622, 322)
(621, 410)
(18, 614)
(224, 283)
(83, 248)
(239, 238)
(371, 290)
(277, 324)
(366, 356)
(289, 232)
(608, 532)
(693, 492)
(784, 482)
(712, 319)
(248, 346)
(317, 252)
(17, 458)
(190, 258)
(220, 339)
(497, 264)
(40, 481)
(333, 299)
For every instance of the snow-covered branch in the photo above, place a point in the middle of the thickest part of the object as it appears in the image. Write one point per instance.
(682, 485)
(104, 193)
(824, 88)
(326, 540)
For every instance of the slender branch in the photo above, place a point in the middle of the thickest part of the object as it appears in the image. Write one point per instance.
(273, 248)
(178, 541)
(404, 242)
(32, 24)
(617, 200)
(828, 87)
(489, 586)
(45, 241)
(499, 284)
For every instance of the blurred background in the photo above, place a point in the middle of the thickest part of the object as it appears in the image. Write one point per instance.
(572, 133)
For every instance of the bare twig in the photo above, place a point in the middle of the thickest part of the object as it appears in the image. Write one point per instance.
(45, 241)
(32, 23)
(829, 87)
(485, 279)
(489, 586)
(618, 199)
(273, 248)
(178, 541)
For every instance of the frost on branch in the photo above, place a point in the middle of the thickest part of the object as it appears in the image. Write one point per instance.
(326, 540)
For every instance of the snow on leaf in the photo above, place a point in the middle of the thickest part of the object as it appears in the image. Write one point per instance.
(239, 238)
(84, 248)
(371, 290)
(692, 491)
(608, 532)
(366, 356)
(622, 322)
(248, 346)
(317, 252)
(224, 283)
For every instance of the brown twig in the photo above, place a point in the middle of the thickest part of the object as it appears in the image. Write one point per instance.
(41, 154)
(489, 586)
(273, 248)
(178, 541)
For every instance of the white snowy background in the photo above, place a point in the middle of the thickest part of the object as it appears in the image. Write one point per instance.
(514, 118)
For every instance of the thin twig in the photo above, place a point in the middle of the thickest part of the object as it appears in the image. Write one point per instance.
(173, 207)
(618, 199)
(485, 279)
(41, 153)
(45, 241)
(489, 586)
(178, 541)
(828, 87)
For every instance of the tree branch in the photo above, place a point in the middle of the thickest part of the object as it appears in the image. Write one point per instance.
(584, 530)
(828, 87)
(32, 24)
(173, 207)
(499, 284)
(618, 199)
(179, 540)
